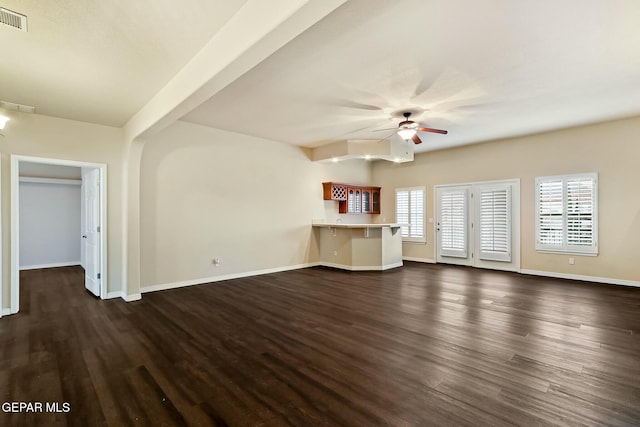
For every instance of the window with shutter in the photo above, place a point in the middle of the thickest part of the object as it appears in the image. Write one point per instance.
(495, 224)
(453, 223)
(566, 214)
(410, 212)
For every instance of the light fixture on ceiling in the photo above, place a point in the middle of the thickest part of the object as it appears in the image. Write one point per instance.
(3, 121)
(407, 133)
(407, 128)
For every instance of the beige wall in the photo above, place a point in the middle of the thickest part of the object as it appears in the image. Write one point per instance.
(200, 186)
(208, 193)
(43, 136)
(611, 149)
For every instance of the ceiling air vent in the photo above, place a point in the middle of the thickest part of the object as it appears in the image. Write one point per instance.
(17, 107)
(13, 19)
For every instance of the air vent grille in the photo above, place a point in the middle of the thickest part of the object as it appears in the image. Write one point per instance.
(17, 107)
(13, 19)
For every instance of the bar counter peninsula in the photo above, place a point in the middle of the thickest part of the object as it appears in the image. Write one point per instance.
(360, 247)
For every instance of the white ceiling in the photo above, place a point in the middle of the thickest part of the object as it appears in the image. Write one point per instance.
(481, 69)
(100, 61)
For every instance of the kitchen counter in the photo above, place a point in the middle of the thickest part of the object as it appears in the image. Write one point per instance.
(341, 225)
(359, 247)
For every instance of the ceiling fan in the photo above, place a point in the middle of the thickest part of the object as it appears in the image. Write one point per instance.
(408, 129)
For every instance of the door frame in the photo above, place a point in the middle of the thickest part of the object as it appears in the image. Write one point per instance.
(515, 264)
(15, 220)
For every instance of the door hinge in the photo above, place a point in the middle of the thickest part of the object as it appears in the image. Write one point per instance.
(98, 229)
(98, 275)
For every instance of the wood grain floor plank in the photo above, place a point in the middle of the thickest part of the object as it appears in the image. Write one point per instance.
(417, 346)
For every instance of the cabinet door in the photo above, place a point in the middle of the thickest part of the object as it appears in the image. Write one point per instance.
(375, 201)
(354, 200)
(351, 200)
(366, 200)
(358, 201)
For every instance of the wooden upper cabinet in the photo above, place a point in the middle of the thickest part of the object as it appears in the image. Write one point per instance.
(355, 199)
(334, 191)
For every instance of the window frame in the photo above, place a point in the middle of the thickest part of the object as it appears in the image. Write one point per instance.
(565, 247)
(410, 224)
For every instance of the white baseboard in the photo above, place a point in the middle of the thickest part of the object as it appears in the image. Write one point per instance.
(132, 297)
(112, 295)
(425, 260)
(362, 267)
(52, 265)
(127, 298)
(181, 284)
(606, 280)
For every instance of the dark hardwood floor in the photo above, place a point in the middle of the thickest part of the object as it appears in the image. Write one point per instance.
(417, 346)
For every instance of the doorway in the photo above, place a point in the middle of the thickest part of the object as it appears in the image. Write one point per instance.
(93, 214)
(478, 224)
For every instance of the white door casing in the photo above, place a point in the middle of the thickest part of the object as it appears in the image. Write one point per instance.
(478, 224)
(101, 168)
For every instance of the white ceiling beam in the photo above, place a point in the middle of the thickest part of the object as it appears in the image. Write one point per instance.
(255, 32)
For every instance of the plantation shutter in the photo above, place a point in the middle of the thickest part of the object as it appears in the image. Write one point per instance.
(452, 223)
(416, 215)
(550, 213)
(410, 211)
(580, 203)
(402, 211)
(495, 224)
(567, 214)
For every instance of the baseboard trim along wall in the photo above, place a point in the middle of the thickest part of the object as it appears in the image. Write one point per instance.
(166, 286)
(606, 280)
(112, 295)
(127, 298)
(174, 285)
(132, 297)
(361, 267)
(53, 265)
(425, 260)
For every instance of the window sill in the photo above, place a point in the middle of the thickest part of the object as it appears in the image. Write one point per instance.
(419, 242)
(548, 251)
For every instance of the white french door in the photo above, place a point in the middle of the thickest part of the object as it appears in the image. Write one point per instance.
(452, 224)
(478, 224)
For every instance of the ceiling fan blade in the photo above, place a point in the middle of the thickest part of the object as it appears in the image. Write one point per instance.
(359, 106)
(444, 132)
(416, 139)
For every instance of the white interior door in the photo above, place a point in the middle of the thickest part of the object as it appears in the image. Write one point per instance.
(92, 227)
(478, 225)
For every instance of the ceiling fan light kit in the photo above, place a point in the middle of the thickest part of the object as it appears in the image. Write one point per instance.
(406, 133)
(408, 129)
